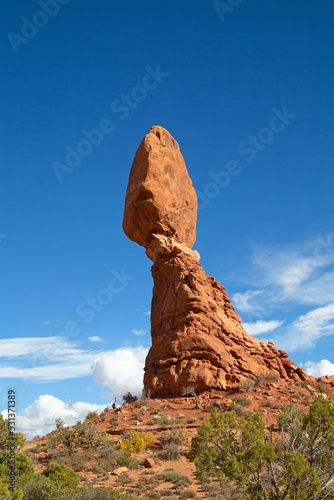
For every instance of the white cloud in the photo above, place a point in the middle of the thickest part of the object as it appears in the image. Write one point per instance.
(260, 327)
(12, 348)
(121, 370)
(148, 313)
(139, 332)
(294, 273)
(318, 291)
(306, 329)
(243, 301)
(95, 339)
(44, 359)
(51, 373)
(39, 417)
(55, 358)
(284, 276)
(324, 367)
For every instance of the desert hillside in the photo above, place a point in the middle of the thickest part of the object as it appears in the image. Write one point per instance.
(95, 449)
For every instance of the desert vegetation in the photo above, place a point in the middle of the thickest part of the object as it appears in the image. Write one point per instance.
(60, 480)
(296, 463)
(248, 443)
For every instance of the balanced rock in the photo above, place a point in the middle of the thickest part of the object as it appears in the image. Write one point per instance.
(197, 337)
(160, 197)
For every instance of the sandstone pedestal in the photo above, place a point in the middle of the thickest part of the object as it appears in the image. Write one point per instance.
(197, 338)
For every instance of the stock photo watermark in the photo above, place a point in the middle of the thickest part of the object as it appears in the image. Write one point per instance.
(271, 299)
(223, 7)
(91, 306)
(122, 108)
(324, 248)
(3, 236)
(86, 309)
(11, 442)
(31, 27)
(249, 148)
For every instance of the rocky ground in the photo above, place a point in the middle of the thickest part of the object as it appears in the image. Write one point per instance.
(164, 470)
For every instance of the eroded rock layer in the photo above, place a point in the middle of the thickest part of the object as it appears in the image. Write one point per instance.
(197, 338)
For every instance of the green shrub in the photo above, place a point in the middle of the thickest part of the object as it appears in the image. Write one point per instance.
(24, 466)
(242, 401)
(303, 383)
(171, 451)
(124, 479)
(176, 435)
(273, 377)
(5, 494)
(152, 495)
(124, 459)
(92, 416)
(42, 488)
(246, 385)
(78, 461)
(87, 492)
(184, 494)
(322, 388)
(259, 380)
(298, 463)
(174, 477)
(62, 475)
(164, 492)
(6, 434)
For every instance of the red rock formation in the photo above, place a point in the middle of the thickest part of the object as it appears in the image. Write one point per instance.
(160, 197)
(327, 379)
(197, 338)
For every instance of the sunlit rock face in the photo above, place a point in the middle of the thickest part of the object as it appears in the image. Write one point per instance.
(197, 338)
(160, 197)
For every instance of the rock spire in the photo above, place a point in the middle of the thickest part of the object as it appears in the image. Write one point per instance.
(197, 337)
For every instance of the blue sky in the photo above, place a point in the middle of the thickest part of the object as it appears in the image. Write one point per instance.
(246, 90)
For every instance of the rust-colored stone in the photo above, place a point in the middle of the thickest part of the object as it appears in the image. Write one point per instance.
(190, 322)
(160, 197)
(149, 463)
(197, 338)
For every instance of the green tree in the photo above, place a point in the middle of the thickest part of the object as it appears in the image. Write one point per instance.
(86, 435)
(309, 440)
(4, 492)
(23, 465)
(298, 464)
(6, 434)
(62, 475)
(233, 447)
